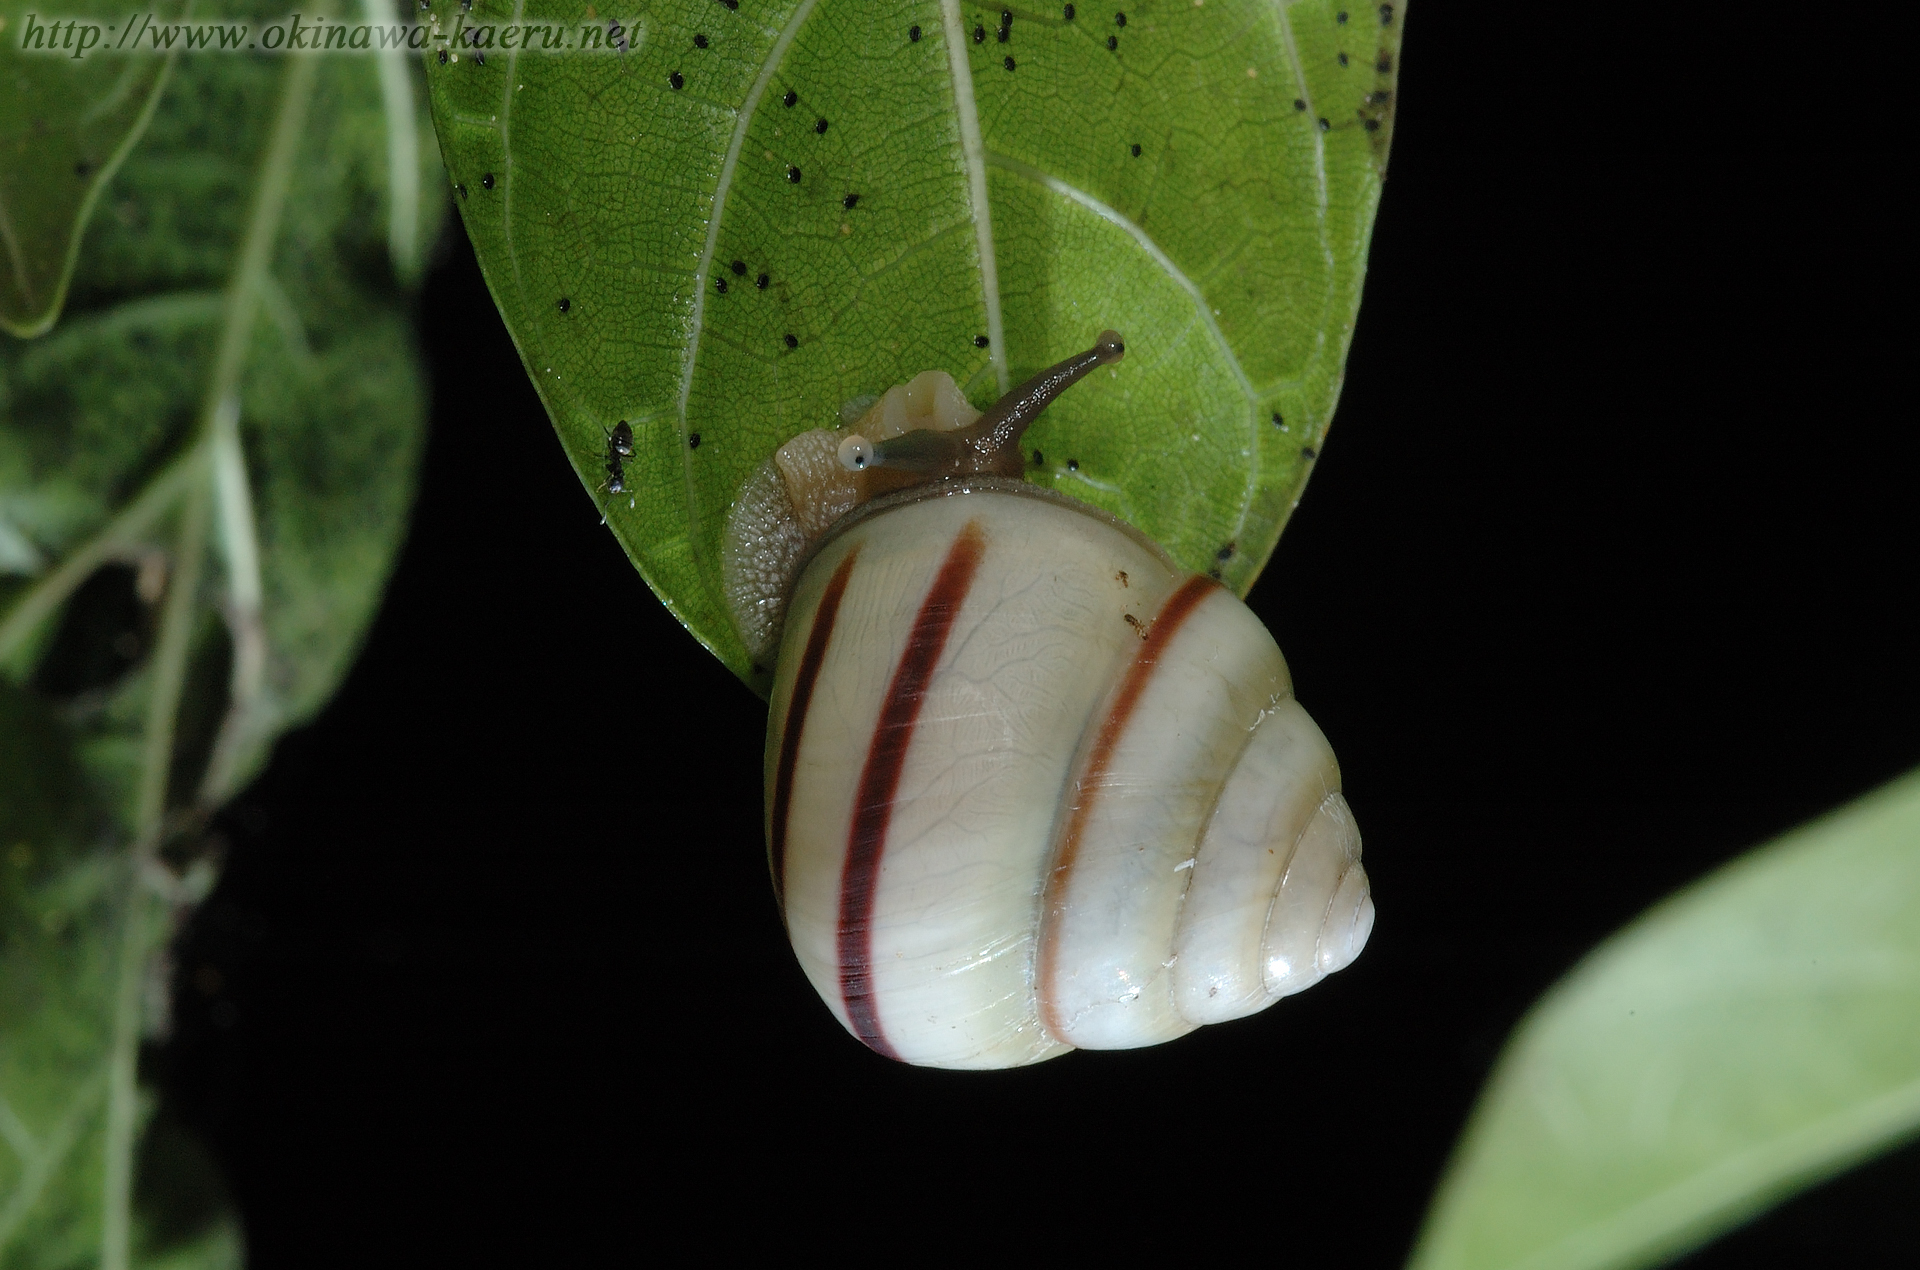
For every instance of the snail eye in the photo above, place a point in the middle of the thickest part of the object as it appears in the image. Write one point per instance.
(856, 452)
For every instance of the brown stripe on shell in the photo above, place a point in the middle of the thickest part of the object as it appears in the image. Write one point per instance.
(880, 780)
(1166, 624)
(803, 681)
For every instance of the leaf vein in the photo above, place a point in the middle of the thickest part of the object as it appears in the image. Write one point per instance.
(1202, 309)
(974, 149)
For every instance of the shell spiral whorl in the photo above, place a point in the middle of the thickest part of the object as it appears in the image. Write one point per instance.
(1031, 787)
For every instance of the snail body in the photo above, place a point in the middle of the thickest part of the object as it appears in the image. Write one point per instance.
(1030, 785)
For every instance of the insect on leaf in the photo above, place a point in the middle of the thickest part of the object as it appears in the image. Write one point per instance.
(1743, 1039)
(730, 219)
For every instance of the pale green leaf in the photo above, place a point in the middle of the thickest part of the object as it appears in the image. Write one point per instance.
(67, 119)
(610, 196)
(226, 426)
(1753, 1034)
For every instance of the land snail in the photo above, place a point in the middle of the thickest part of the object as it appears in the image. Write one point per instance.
(1030, 786)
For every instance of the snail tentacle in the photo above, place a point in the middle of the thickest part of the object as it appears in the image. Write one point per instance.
(996, 434)
(990, 445)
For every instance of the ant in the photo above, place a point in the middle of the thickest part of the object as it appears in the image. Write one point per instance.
(619, 449)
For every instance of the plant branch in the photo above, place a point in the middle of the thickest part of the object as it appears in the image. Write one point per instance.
(403, 150)
(224, 465)
(233, 490)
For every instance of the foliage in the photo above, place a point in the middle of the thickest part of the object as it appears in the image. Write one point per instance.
(65, 126)
(205, 471)
(1746, 1037)
(745, 215)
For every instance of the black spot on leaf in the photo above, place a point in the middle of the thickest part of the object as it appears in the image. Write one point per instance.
(720, 285)
(979, 34)
(1073, 465)
(850, 202)
(1343, 59)
(913, 34)
(1324, 125)
(789, 99)
(1341, 18)
(1134, 149)
(566, 305)
(1119, 19)
(739, 268)
(676, 81)
(1113, 43)
(792, 341)
(693, 440)
(793, 176)
(1386, 15)
(1306, 452)
(486, 181)
(699, 41)
(1069, 12)
(443, 57)
(1009, 63)
(979, 341)
(762, 281)
(820, 126)
(1298, 104)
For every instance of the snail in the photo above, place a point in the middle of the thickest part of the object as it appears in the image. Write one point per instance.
(1030, 785)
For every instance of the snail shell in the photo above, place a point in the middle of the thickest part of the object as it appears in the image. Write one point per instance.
(1030, 786)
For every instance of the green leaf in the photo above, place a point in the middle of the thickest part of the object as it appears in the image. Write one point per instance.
(205, 474)
(73, 918)
(611, 196)
(66, 122)
(1743, 1039)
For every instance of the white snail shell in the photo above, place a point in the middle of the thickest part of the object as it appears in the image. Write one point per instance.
(1032, 787)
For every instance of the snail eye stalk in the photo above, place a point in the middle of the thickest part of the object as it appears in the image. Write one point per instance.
(924, 451)
(991, 444)
(997, 433)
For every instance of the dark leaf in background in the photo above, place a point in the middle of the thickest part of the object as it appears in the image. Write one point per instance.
(206, 469)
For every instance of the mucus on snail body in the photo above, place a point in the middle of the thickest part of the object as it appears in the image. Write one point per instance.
(1030, 786)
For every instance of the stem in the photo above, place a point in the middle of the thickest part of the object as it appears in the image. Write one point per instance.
(220, 421)
(163, 709)
(216, 451)
(403, 150)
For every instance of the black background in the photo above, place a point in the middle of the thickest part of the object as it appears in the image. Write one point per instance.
(1605, 577)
